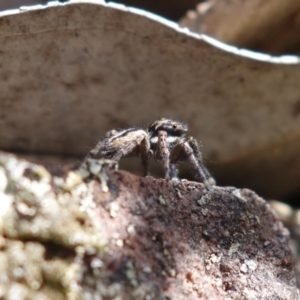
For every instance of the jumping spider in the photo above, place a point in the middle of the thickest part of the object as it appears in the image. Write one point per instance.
(165, 140)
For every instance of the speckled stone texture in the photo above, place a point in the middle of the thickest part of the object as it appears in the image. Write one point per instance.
(99, 233)
(203, 243)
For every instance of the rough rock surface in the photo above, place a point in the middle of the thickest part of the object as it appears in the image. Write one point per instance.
(99, 233)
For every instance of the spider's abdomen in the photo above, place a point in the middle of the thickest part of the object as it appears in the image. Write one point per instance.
(124, 141)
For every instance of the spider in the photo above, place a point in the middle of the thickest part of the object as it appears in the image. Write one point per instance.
(165, 140)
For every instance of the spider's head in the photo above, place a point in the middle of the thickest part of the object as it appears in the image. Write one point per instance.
(173, 128)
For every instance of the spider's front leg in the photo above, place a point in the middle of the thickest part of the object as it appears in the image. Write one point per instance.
(163, 154)
(145, 153)
(188, 149)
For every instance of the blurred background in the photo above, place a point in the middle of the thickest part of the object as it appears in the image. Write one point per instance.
(272, 27)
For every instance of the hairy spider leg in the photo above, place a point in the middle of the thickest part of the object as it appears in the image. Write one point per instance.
(145, 152)
(189, 150)
(194, 144)
(163, 154)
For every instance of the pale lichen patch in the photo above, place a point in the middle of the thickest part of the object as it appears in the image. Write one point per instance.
(161, 200)
(237, 193)
(233, 248)
(98, 169)
(252, 265)
(113, 209)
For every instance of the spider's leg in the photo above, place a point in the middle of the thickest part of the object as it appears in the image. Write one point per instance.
(163, 153)
(145, 152)
(189, 150)
(193, 143)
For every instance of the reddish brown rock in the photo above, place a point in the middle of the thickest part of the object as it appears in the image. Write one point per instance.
(114, 234)
(214, 243)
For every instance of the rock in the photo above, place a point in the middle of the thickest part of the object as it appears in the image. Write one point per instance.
(73, 234)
